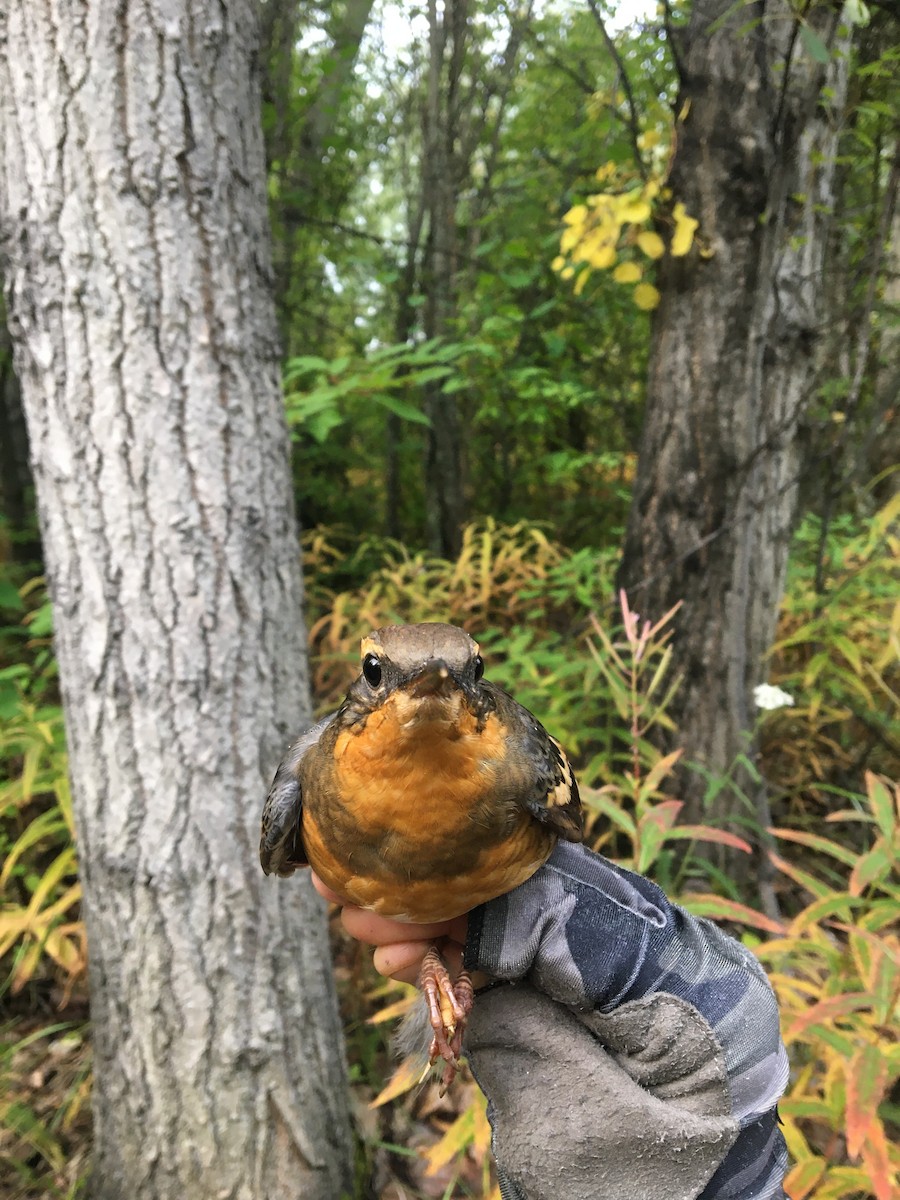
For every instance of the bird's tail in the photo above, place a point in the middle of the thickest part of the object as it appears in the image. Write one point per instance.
(412, 1040)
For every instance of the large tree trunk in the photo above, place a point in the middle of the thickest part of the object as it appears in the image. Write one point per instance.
(732, 361)
(137, 260)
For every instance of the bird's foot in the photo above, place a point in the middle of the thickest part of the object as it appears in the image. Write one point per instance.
(449, 1004)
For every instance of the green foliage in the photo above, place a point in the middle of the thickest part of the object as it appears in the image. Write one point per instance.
(512, 582)
(338, 391)
(633, 821)
(41, 933)
(838, 655)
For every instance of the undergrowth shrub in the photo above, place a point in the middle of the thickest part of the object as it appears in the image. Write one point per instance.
(528, 595)
(599, 682)
(42, 937)
(838, 654)
(836, 971)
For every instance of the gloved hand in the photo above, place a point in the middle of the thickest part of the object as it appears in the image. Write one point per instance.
(634, 1053)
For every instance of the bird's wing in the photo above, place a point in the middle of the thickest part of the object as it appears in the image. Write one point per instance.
(547, 785)
(280, 844)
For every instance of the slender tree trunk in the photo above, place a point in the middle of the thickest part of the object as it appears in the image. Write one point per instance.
(732, 362)
(299, 142)
(444, 497)
(137, 266)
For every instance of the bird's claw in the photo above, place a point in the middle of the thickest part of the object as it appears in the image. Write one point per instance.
(449, 1004)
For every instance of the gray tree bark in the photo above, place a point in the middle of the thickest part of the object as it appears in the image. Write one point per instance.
(732, 361)
(132, 200)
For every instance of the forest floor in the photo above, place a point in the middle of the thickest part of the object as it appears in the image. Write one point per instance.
(45, 1142)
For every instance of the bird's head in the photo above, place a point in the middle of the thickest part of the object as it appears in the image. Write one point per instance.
(430, 673)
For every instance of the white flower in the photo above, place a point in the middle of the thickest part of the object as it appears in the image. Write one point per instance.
(767, 696)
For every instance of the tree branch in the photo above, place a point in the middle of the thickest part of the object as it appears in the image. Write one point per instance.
(633, 124)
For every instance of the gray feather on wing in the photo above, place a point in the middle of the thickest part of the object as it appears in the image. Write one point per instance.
(281, 845)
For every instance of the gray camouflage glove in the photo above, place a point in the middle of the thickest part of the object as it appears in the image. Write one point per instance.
(637, 1054)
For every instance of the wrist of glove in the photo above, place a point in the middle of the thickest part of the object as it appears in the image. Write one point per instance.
(637, 1052)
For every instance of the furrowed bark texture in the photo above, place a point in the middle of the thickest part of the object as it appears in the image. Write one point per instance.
(137, 266)
(732, 361)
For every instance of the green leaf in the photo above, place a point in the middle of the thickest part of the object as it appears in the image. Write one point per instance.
(9, 595)
(40, 623)
(871, 868)
(815, 842)
(814, 45)
(881, 804)
(304, 365)
(321, 425)
(401, 409)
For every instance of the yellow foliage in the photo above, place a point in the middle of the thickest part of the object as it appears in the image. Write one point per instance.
(598, 252)
(634, 212)
(646, 296)
(651, 244)
(684, 231)
(627, 272)
(576, 215)
(595, 228)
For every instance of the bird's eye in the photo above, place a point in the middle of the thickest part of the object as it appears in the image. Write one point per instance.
(479, 667)
(372, 670)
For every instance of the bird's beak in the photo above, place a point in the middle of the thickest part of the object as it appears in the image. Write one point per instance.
(434, 680)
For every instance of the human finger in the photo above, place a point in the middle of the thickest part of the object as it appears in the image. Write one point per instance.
(382, 931)
(325, 891)
(403, 960)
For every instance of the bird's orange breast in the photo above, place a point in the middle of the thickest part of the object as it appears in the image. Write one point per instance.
(411, 825)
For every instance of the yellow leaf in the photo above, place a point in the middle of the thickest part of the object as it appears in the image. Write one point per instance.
(580, 282)
(398, 1009)
(407, 1076)
(684, 231)
(576, 215)
(648, 140)
(635, 212)
(558, 263)
(605, 172)
(604, 256)
(567, 273)
(651, 244)
(599, 247)
(569, 239)
(26, 967)
(65, 952)
(627, 272)
(456, 1140)
(646, 296)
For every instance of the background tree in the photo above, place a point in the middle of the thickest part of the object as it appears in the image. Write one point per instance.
(733, 356)
(137, 271)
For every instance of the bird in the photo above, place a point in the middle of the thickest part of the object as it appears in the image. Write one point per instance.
(429, 791)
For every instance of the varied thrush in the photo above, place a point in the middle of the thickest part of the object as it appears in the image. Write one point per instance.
(428, 792)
